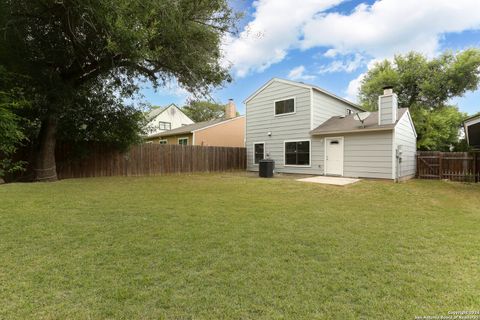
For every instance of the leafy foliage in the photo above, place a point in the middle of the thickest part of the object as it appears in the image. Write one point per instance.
(200, 111)
(101, 116)
(81, 55)
(11, 134)
(439, 128)
(73, 41)
(426, 87)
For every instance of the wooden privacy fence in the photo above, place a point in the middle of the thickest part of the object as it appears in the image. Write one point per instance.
(456, 166)
(150, 159)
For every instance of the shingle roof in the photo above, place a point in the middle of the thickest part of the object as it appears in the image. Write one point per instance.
(191, 127)
(155, 112)
(348, 124)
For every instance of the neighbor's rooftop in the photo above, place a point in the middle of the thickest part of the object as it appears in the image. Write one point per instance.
(192, 127)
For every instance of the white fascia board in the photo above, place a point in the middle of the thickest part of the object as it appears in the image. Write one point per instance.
(293, 83)
(407, 114)
(301, 85)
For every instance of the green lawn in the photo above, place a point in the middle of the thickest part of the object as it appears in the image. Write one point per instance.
(230, 246)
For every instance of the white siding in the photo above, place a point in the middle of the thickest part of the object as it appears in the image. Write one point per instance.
(325, 107)
(173, 115)
(405, 137)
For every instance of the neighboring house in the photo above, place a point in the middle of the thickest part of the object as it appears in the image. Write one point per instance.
(228, 131)
(472, 131)
(308, 130)
(166, 118)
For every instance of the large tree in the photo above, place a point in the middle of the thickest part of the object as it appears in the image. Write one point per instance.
(72, 48)
(426, 87)
(200, 111)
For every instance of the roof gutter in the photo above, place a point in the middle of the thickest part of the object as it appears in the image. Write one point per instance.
(313, 133)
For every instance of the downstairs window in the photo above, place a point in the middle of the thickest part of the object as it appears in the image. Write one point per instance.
(297, 153)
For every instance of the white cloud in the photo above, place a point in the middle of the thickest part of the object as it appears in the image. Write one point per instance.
(173, 91)
(354, 85)
(353, 88)
(391, 26)
(388, 27)
(368, 33)
(298, 74)
(375, 31)
(275, 29)
(344, 65)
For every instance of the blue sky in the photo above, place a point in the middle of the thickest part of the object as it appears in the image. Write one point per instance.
(332, 43)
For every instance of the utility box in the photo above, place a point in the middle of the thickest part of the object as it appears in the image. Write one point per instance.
(266, 167)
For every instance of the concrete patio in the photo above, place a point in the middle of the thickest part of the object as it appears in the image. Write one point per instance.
(337, 181)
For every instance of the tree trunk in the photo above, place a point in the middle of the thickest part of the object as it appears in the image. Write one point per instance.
(44, 166)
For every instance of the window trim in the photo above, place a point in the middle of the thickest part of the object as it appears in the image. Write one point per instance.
(162, 140)
(182, 138)
(309, 154)
(164, 123)
(264, 151)
(288, 113)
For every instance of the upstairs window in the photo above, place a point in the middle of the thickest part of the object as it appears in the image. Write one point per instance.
(297, 153)
(285, 106)
(349, 112)
(164, 125)
(259, 152)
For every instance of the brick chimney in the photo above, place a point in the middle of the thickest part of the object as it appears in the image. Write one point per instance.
(230, 110)
(387, 107)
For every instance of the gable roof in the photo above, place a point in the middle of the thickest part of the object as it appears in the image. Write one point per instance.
(193, 127)
(155, 112)
(303, 85)
(474, 117)
(348, 124)
(159, 110)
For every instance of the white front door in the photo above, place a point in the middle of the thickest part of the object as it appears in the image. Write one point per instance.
(334, 156)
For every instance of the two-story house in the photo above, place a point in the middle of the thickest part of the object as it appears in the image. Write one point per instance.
(228, 131)
(162, 119)
(308, 130)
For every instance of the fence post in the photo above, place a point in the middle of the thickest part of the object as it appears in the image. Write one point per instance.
(475, 173)
(440, 165)
(417, 166)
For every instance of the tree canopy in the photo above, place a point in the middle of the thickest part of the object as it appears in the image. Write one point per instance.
(426, 86)
(12, 98)
(82, 55)
(200, 111)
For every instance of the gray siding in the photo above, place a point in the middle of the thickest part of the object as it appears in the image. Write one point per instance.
(325, 107)
(405, 137)
(366, 154)
(386, 109)
(261, 119)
